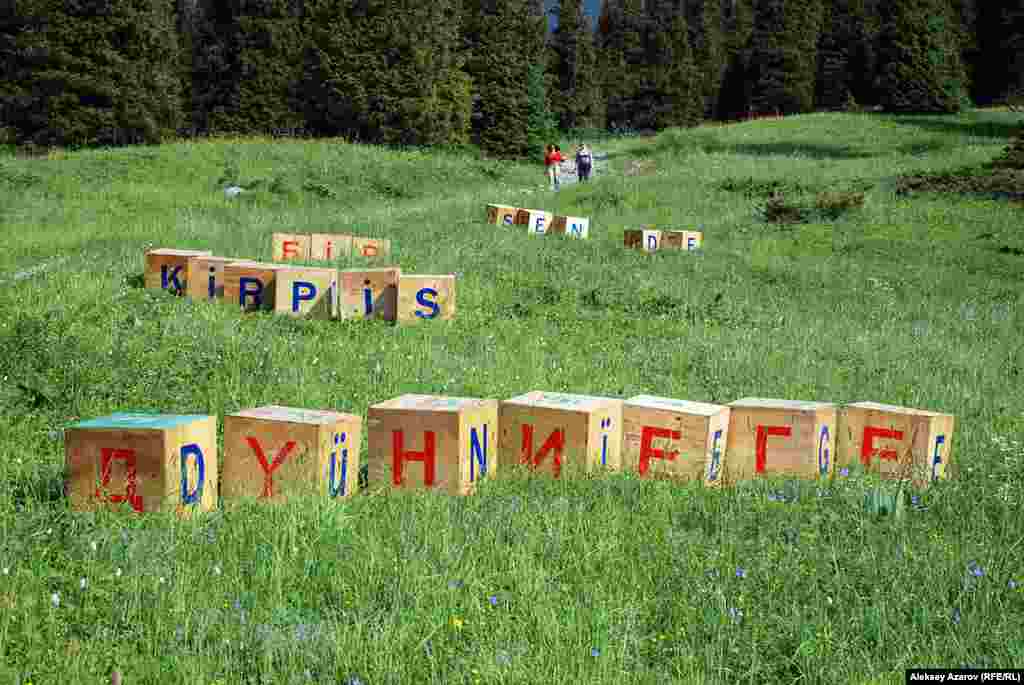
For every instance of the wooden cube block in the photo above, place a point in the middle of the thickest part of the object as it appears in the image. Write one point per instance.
(251, 285)
(370, 247)
(539, 222)
(544, 429)
(769, 437)
(167, 269)
(206, 277)
(426, 297)
(290, 247)
(305, 291)
(682, 240)
(896, 442)
(329, 247)
(572, 226)
(646, 239)
(663, 437)
(368, 293)
(501, 215)
(451, 438)
(152, 462)
(275, 453)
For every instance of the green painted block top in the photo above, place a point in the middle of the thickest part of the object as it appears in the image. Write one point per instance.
(139, 421)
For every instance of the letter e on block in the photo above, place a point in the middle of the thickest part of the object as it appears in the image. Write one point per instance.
(275, 453)
(167, 269)
(769, 437)
(539, 222)
(368, 293)
(426, 298)
(896, 442)
(251, 285)
(501, 215)
(429, 442)
(670, 438)
(290, 247)
(547, 431)
(329, 247)
(143, 463)
(307, 292)
(370, 247)
(206, 278)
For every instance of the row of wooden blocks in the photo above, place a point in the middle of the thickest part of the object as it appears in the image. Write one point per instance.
(169, 462)
(303, 291)
(650, 239)
(538, 222)
(325, 247)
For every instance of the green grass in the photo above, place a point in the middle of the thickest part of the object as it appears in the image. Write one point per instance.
(912, 299)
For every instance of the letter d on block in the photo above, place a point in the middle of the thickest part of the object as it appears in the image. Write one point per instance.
(196, 495)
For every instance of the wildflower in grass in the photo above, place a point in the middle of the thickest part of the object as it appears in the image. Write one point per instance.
(735, 614)
(595, 652)
(741, 573)
(93, 545)
(955, 617)
(354, 680)
(975, 570)
(503, 657)
(82, 583)
(162, 580)
(216, 569)
(493, 599)
(55, 599)
(6, 570)
(844, 472)
(117, 573)
(454, 584)
(457, 623)
(1013, 584)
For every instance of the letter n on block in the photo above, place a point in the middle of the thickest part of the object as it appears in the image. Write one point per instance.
(426, 298)
(167, 269)
(370, 247)
(896, 442)
(432, 443)
(307, 292)
(550, 430)
(251, 285)
(368, 293)
(146, 462)
(669, 438)
(206, 278)
(276, 453)
(572, 226)
(501, 215)
(780, 437)
(290, 247)
(328, 247)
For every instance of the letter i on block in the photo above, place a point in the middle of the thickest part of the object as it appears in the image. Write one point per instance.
(501, 215)
(290, 247)
(307, 291)
(427, 442)
(206, 277)
(896, 442)
(275, 453)
(425, 298)
(546, 429)
(768, 436)
(669, 438)
(250, 285)
(328, 247)
(148, 462)
(167, 269)
(368, 293)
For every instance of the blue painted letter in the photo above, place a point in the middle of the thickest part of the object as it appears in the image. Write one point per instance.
(197, 494)
(421, 299)
(477, 455)
(297, 297)
(256, 293)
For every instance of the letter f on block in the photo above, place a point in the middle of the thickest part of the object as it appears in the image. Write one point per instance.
(647, 452)
(867, 447)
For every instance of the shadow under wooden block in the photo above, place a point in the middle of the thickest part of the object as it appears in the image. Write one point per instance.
(428, 442)
(572, 226)
(370, 247)
(780, 437)
(670, 438)
(167, 269)
(305, 291)
(290, 247)
(148, 462)
(544, 430)
(898, 443)
(646, 239)
(251, 285)
(501, 215)
(329, 247)
(682, 240)
(206, 277)
(424, 298)
(368, 293)
(274, 453)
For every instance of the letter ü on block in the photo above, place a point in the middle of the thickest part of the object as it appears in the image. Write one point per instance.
(290, 247)
(206, 277)
(276, 453)
(501, 215)
(426, 298)
(549, 430)
(167, 269)
(428, 442)
(896, 442)
(250, 285)
(768, 436)
(305, 291)
(670, 438)
(145, 462)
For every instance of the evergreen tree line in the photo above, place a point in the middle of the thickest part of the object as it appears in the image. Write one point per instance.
(447, 72)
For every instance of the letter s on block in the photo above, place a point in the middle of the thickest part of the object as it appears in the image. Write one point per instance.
(421, 299)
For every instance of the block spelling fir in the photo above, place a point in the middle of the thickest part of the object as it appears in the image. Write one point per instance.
(274, 453)
(370, 247)
(426, 298)
(251, 285)
(896, 442)
(428, 442)
(537, 221)
(780, 437)
(148, 462)
(682, 240)
(544, 429)
(290, 247)
(368, 293)
(206, 277)
(501, 215)
(304, 291)
(670, 438)
(572, 226)
(167, 269)
(329, 247)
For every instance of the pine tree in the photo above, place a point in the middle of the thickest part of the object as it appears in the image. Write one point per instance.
(737, 27)
(1000, 57)
(783, 55)
(591, 111)
(704, 21)
(564, 63)
(843, 53)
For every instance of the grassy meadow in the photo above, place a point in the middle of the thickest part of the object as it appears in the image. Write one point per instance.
(912, 299)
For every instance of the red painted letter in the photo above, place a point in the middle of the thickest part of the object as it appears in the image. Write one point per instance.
(268, 469)
(762, 442)
(109, 454)
(867, 447)
(288, 249)
(369, 250)
(647, 436)
(327, 250)
(399, 456)
(554, 444)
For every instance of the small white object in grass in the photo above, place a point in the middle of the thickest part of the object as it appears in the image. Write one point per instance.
(232, 191)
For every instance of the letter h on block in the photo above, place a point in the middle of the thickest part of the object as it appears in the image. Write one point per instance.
(546, 428)
(275, 453)
(768, 436)
(152, 462)
(670, 438)
(896, 442)
(428, 442)
(167, 269)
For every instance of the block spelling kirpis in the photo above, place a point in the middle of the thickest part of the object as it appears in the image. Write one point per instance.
(251, 285)
(206, 277)
(274, 453)
(329, 247)
(305, 291)
(149, 462)
(290, 247)
(572, 226)
(670, 438)
(167, 269)
(780, 437)
(501, 215)
(368, 293)
(432, 442)
(426, 298)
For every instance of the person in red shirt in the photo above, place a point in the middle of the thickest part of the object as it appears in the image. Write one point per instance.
(551, 160)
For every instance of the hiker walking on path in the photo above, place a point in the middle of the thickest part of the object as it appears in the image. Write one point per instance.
(551, 161)
(584, 161)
